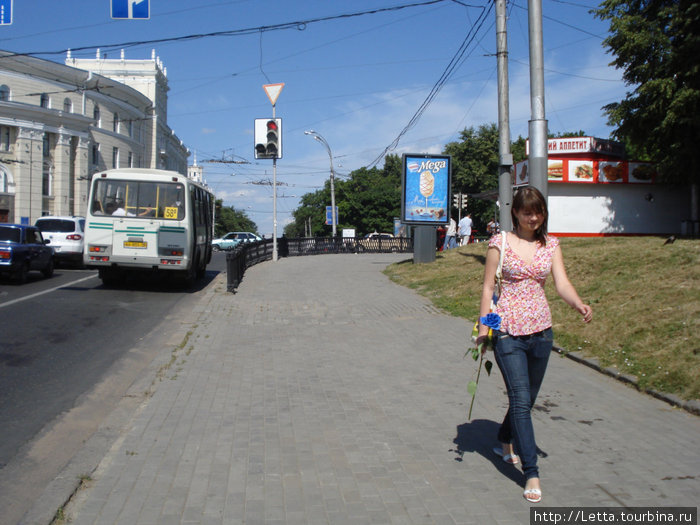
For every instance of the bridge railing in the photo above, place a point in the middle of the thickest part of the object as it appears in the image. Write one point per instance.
(245, 255)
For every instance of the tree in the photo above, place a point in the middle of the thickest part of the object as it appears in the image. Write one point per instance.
(367, 201)
(475, 170)
(657, 45)
(229, 219)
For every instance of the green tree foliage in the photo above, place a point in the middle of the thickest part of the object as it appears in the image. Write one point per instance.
(657, 45)
(475, 170)
(367, 200)
(229, 219)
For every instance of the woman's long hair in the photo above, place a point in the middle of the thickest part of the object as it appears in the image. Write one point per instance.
(529, 198)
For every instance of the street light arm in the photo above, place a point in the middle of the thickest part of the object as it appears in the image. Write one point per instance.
(323, 141)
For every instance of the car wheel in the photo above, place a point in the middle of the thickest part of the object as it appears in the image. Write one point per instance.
(48, 271)
(216, 247)
(20, 276)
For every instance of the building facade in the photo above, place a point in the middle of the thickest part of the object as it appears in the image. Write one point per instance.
(594, 190)
(61, 123)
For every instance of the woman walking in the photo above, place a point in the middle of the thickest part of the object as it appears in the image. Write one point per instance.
(524, 340)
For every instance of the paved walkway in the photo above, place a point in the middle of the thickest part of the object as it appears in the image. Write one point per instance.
(322, 393)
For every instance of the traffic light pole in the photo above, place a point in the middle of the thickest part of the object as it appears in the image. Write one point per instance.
(274, 201)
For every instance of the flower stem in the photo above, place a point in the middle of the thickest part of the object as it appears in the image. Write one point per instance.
(478, 373)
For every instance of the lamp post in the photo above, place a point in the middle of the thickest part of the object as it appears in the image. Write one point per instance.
(319, 138)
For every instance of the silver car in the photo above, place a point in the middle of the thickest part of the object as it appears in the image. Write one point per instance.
(232, 239)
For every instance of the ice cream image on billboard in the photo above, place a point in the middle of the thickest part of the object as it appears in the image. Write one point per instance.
(427, 187)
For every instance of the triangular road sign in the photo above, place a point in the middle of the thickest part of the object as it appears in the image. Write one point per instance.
(273, 91)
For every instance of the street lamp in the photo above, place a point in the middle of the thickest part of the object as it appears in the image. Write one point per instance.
(319, 138)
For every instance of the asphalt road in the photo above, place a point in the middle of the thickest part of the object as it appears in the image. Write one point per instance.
(59, 339)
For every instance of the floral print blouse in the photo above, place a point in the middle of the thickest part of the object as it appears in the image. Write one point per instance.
(522, 305)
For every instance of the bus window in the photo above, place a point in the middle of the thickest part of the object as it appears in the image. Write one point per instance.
(141, 199)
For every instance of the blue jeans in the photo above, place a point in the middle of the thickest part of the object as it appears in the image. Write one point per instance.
(450, 242)
(523, 362)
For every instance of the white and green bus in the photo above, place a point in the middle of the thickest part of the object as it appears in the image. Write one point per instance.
(148, 220)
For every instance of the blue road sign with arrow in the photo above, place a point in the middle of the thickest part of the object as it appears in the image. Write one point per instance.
(5, 12)
(130, 9)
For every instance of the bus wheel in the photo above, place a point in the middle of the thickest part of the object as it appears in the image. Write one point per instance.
(109, 277)
(201, 269)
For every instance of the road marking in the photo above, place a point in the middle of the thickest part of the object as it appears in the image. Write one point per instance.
(32, 296)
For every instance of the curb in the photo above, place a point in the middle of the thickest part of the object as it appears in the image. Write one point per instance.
(692, 406)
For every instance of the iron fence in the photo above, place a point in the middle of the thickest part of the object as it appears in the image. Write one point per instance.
(245, 255)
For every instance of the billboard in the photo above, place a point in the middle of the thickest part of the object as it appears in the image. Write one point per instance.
(425, 196)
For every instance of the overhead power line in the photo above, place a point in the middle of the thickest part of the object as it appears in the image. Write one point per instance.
(299, 24)
(446, 74)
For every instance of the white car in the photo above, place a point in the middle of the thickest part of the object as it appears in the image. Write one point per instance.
(232, 239)
(66, 235)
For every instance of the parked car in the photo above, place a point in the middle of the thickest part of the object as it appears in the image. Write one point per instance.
(232, 239)
(23, 249)
(380, 242)
(66, 235)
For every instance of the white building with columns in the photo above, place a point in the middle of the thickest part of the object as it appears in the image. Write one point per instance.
(61, 123)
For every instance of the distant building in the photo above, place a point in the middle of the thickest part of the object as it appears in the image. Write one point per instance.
(195, 172)
(593, 190)
(60, 124)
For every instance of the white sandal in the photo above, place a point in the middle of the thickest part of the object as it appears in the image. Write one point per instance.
(533, 492)
(512, 459)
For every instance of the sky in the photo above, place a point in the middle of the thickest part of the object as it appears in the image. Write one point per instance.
(356, 80)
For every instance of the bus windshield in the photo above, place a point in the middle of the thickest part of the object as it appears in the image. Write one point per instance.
(160, 200)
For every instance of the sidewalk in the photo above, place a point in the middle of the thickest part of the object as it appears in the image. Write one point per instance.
(323, 393)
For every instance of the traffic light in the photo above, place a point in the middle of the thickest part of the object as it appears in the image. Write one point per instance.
(457, 200)
(268, 138)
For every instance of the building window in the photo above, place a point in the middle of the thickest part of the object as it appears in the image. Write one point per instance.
(131, 128)
(4, 138)
(115, 123)
(115, 157)
(67, 105)
(46, 170)
(96, 115)
(4, 93)
(131, 160)
(95, 153)
(44, 100)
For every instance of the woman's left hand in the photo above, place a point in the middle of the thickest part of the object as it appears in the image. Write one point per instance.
(586, 311)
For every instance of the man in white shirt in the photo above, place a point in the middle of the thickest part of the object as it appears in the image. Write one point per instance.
(465, 229)
(450, 236)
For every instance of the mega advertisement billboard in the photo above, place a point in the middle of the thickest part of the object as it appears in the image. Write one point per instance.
(425, 196)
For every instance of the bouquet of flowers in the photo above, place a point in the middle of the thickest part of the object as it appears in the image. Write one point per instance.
(493, 321)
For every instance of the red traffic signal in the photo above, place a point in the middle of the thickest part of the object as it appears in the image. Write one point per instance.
(268, 138)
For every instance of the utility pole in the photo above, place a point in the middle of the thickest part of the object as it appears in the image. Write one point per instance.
(505, 182)
(537, 127)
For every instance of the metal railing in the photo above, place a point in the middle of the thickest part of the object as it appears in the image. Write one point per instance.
(245, 255)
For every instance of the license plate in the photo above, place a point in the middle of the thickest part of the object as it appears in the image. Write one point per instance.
(135, 244)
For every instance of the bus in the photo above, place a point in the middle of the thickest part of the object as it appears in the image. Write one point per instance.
(151, 220)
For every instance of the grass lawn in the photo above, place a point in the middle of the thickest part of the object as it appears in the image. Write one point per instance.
(645, 297)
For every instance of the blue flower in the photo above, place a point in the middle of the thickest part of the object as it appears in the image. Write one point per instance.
(491, 320)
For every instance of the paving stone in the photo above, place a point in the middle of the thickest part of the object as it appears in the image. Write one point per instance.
(322, 393)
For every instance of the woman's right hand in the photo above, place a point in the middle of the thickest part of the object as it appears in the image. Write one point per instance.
(482, 340)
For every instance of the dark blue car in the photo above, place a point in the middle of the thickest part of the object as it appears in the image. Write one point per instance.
(23, 249)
